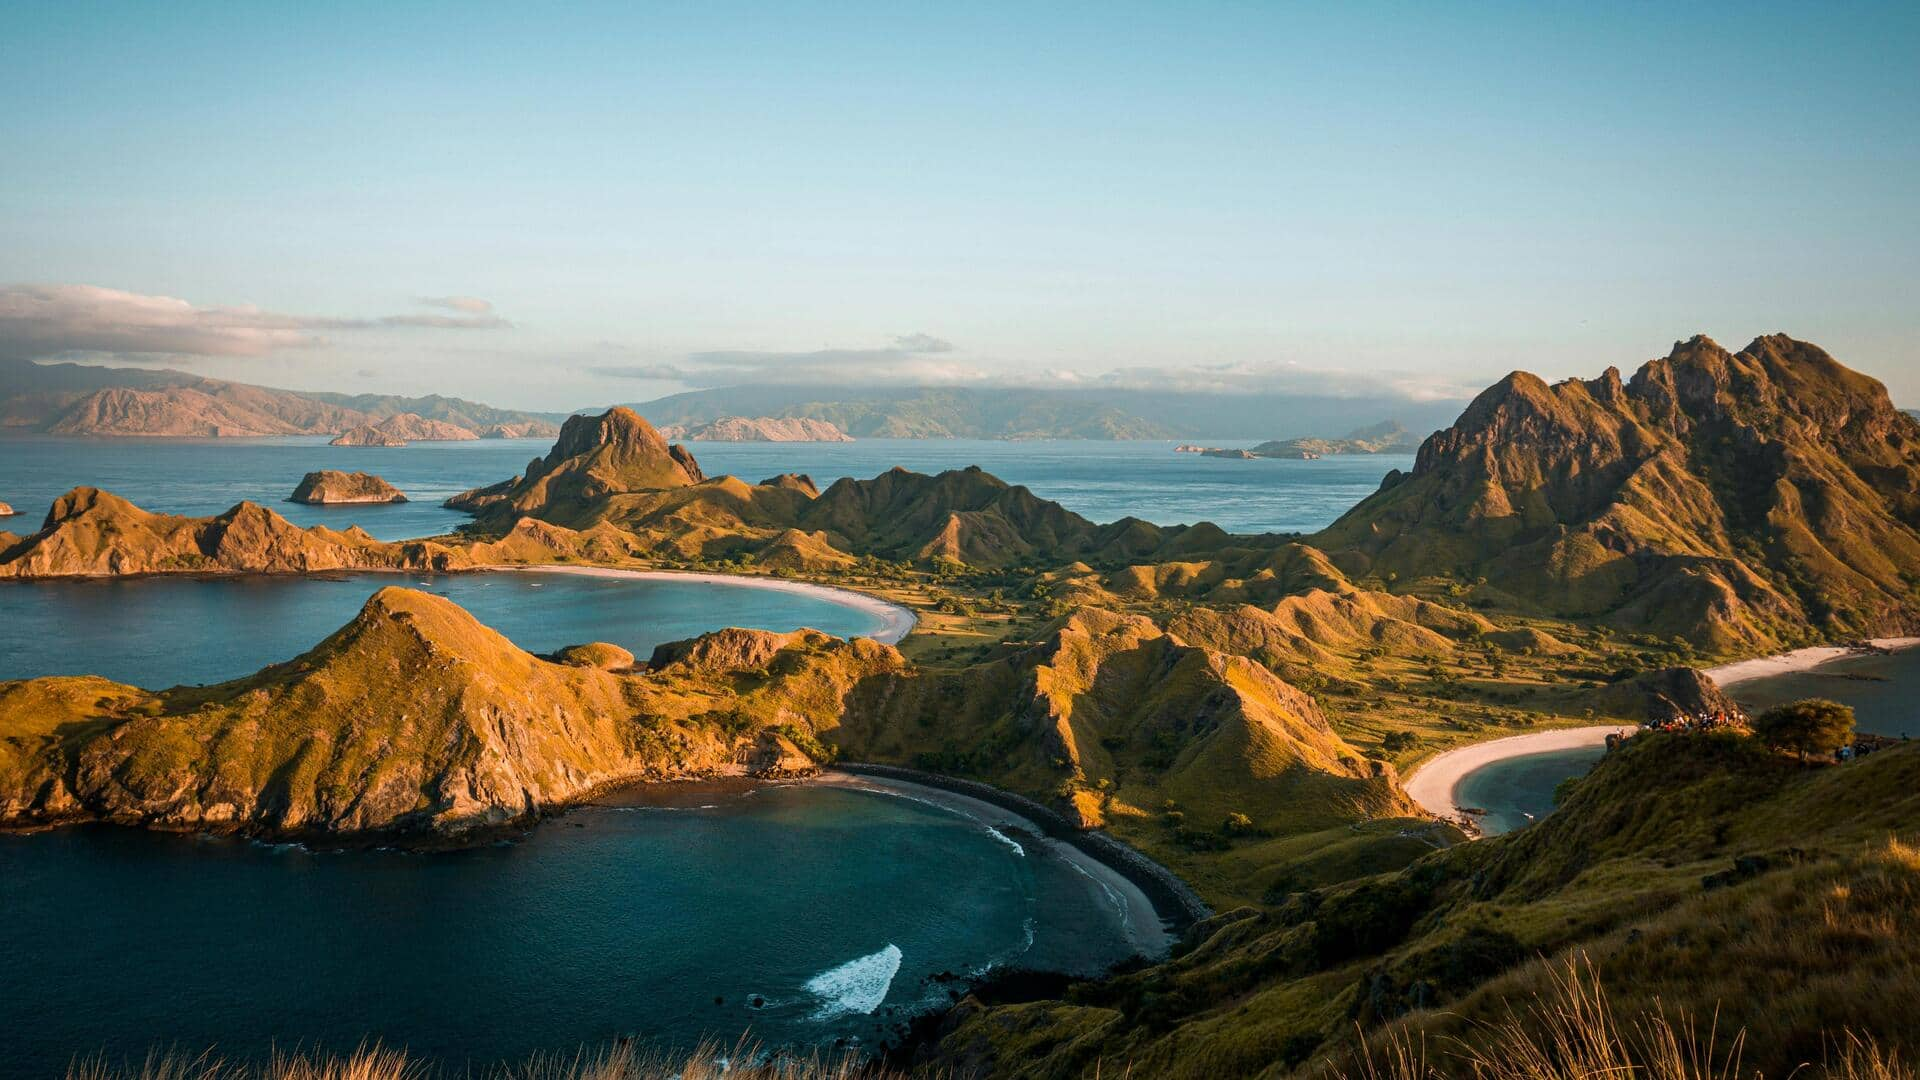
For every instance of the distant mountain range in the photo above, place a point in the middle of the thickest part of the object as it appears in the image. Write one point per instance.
(76, 399)
(972, 413)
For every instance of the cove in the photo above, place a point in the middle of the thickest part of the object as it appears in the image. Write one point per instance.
(165, 631)
(795, 914)
(1517, 791)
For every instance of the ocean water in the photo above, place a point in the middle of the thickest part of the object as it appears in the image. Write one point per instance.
(1518, 791)
(1883, 690)
(167, 631)
(836, 910)
(1103, 481)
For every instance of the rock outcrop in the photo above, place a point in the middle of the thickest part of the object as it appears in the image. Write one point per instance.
(1735, 499)
(7, 511)
(331, 486)
(401, 429)
(93, 533)
(758, 429)
(595, 457)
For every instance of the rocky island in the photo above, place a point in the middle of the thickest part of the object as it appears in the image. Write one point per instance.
(331, 487)
(401, 429)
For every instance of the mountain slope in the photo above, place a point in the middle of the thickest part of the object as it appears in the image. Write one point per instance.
(89, 533)
(595, 457)
(1735, 499)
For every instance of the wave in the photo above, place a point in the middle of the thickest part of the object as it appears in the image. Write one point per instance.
(857, 986)
(1005, 839)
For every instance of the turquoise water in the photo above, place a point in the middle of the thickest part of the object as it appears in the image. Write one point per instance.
(165, 631)
(1518, 791)
(660, 920)
(1103, 481)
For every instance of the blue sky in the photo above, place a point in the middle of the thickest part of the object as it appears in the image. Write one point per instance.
(1413, 195)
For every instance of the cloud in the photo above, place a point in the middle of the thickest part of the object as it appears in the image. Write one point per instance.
(472, 305)
(922, 360)
(910, 360)
(39, 321)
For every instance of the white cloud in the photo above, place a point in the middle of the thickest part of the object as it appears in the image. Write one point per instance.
(924, 360)
(53, 320)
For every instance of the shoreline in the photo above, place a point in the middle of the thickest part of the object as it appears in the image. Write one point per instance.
(897, 620)
(1434, 784)
(1171, 900)
(1800, 660)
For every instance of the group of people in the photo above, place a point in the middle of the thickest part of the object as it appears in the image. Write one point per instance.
(1695, 721)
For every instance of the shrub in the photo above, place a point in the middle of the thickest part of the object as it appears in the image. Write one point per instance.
(1812, 726)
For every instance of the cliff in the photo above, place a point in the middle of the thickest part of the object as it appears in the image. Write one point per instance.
(401, 429)
(331, 486)
(1739, 500)
(92, 533)
(758, 429)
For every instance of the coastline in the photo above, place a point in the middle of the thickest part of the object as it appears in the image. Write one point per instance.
(1434, 783)
(1799, 660)
(897, 620)
(1170, 900)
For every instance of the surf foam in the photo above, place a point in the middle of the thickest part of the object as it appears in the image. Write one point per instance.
(857, 986)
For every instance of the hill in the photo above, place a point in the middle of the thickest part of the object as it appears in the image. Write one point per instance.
(77, 399)
(413, 718)
(1167, 412)
(92, 533)
(401, 429)
(1739, 500)
(329, 487)
(758, 429)
(1384, 438)
(1695, 874)
(615, 470)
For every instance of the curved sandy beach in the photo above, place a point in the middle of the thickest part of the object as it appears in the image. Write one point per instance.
(896, 621)
(1798, 660)
(1433, 784)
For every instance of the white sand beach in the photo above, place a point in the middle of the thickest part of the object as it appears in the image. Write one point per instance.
(1432, 785)
(1798, 660)
(898, 621)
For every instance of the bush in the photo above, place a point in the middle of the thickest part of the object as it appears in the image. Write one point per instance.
(1813, 726)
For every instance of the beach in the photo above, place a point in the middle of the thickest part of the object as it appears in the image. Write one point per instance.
(1145, 922)
(898, 621)
(1434, 783)
(1799, 660)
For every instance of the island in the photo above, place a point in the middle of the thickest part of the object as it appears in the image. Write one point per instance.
(1239, 709)
(7, 511)
(402, 428)
(759, 429)
(332, 487)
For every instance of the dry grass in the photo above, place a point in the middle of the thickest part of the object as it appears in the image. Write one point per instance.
(1574, 1033)
(619, 1062)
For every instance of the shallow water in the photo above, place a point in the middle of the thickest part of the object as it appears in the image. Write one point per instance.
(836, 907)
(1103, 481)
(1518, 791)
(166, 631)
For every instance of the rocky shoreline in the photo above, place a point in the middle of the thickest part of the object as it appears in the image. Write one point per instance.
(1173, 899)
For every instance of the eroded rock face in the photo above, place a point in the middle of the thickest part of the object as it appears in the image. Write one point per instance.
(1730, 498)
(330, 486)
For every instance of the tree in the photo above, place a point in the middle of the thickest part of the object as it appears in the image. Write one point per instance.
(1812, 726)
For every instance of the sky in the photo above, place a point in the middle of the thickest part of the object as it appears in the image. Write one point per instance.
(552, 207)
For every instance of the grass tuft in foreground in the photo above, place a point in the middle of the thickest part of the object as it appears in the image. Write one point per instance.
(617, 1062)
(1573, 1033)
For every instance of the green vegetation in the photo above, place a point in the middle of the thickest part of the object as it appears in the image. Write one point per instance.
(1813, 726)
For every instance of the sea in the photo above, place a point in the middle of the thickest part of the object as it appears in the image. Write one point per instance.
(807, 916)
(1103, 481)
